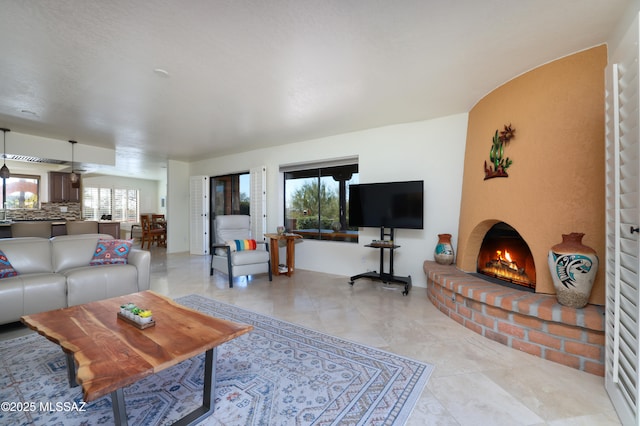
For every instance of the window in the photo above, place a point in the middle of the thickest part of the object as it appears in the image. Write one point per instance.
(230, 194)
(22, 192)
(125, 205)
(317, 202)
(120, 204)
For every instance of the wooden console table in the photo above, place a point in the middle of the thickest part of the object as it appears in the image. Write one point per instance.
(275, 254)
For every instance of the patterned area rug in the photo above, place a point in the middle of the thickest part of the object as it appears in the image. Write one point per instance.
(278, 374)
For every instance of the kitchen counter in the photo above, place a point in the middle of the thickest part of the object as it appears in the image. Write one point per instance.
(59, 227)
(47, 219)
(10, 221)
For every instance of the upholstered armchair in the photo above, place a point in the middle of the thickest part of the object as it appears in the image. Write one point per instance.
(232, 258)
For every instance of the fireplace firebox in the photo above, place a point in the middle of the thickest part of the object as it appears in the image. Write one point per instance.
(505, 257)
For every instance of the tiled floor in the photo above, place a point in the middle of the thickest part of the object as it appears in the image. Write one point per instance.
(476, 381)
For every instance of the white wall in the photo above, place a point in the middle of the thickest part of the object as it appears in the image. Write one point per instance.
(432, 151)
(162, 194)
(177, 206)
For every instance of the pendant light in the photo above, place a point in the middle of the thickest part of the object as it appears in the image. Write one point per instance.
(74, 176)
(4, 171)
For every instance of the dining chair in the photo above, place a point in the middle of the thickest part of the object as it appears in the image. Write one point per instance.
(150, 234)
(158, 222)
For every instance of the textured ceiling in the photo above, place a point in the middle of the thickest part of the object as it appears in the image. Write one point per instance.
(249, 73)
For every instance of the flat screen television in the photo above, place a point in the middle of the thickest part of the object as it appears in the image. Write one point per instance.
(388, 205)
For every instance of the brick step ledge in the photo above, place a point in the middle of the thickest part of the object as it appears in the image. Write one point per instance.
(531, 322)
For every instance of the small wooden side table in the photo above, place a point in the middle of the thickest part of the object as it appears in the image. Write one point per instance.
(275, 254)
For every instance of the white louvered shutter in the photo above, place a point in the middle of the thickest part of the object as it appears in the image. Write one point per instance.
(199, 215)
(258, 206)
(623, 217)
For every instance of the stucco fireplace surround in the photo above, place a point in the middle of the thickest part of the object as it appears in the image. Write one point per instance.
(555, 186)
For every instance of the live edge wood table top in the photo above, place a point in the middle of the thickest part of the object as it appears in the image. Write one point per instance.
(111, 354)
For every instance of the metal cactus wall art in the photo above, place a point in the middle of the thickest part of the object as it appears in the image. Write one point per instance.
(499, 164)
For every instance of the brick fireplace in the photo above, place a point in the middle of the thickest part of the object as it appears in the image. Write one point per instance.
(530, 322)
(555, 186)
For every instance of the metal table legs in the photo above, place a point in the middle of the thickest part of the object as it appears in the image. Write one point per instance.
(196, 416)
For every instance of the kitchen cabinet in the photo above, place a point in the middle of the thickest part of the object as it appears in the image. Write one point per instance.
(61, 189)
(5, 231)
(58, 228)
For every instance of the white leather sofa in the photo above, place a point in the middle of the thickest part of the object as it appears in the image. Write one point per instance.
(55, 273)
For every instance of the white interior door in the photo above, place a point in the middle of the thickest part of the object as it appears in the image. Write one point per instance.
(623, 218)
(199, 215)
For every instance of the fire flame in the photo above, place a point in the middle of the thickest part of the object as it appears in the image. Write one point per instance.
(507, 260)
(505, 267)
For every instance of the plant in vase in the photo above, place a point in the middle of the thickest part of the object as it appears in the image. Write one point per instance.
(145, 316)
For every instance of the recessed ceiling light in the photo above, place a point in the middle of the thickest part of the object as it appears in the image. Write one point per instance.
(161, 72)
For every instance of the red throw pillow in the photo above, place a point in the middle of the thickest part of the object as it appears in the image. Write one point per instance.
(6, 270)
(111, 252)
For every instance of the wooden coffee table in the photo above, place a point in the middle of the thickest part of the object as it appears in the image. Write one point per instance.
(111, 354)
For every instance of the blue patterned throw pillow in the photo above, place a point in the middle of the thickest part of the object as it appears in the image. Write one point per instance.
(111, 252)
(6, 270)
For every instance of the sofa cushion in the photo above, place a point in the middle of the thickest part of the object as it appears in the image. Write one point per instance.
(30, 294)
(91, 283)
(43, 292)
(111, 252)
(249, 257)
(29, 255)
(232, 227)
(12, 300)
(74, 251)
(6, 270)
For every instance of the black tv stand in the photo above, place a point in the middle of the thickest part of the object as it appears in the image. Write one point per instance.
(387, 278)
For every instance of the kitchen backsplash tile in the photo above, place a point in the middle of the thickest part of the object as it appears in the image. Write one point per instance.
(48, 211)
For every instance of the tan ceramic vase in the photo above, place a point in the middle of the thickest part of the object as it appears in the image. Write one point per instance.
(444, 250)
(573, 267)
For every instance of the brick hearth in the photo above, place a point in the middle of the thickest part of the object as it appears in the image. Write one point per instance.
(531, 322)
